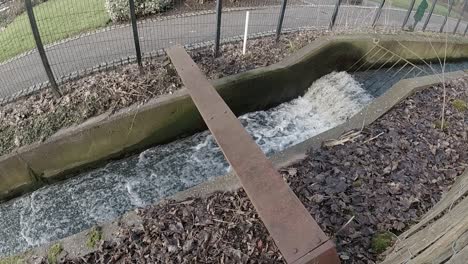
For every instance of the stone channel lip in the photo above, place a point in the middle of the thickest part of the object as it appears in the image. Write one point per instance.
(75, 245)
(107, 136)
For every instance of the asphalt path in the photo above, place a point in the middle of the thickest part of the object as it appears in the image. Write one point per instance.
(115, 43)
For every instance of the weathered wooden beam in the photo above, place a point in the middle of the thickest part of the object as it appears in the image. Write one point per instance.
(293, 229)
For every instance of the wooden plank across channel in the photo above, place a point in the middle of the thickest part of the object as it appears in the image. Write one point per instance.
(293, 229)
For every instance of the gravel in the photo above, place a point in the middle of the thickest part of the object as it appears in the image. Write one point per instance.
(38, 116)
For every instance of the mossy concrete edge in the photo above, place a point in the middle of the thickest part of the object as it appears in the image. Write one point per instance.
(75, 245)
(173, 116)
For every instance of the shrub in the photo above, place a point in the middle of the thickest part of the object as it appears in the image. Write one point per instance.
(119, 10)
(14, 9)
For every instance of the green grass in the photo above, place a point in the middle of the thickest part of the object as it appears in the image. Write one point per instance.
(57, 20)
(404, 4)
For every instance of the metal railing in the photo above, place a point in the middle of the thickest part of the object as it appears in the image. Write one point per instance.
(60, 40)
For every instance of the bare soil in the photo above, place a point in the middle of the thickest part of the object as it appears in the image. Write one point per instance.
(38, 116)
(380, 180)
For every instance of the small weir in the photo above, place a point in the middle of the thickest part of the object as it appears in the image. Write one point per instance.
(103, 194)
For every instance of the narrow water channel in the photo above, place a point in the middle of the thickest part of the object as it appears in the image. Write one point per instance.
(100, 195)
(103, 194)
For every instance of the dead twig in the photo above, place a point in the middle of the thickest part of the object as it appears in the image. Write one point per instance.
(345, 225)
(372, 138)
(444, 99)
(347, 137)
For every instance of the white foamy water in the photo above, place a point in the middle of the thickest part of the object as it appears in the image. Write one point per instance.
(66, 208)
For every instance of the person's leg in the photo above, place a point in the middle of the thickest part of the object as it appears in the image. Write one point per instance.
(414, 25)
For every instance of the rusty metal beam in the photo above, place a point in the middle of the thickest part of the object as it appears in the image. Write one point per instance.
(293, 229)
(325, 253)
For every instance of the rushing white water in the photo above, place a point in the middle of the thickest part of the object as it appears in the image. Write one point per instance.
(65, 208)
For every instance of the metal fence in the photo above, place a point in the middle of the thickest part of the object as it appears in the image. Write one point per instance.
(59, 40)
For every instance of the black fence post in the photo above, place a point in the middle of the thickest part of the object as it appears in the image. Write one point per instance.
(408, 13)
(429, 15)
(460, 17)
(40, 48)
(466, 29)
(446, 16)
(136, 39)
(377, 15)
(219, 10)
(334, 15)
(279, 26)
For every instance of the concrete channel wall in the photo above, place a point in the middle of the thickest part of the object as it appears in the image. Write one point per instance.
(76, 245)
(169, 117)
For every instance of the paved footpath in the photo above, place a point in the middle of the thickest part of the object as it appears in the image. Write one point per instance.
(116, 43)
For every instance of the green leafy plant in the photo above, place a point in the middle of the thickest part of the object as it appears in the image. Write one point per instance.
(53, 253)
(94, 236)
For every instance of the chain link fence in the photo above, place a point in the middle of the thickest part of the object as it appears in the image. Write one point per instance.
(81, 37)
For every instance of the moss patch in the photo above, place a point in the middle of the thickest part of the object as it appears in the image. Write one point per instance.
(357, 183)
(438, 124)
(381, 241)
(94, 236)
(12, 260)
(53, 253)
(460, 105)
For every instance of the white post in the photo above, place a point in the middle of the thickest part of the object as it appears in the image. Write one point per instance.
(246, 31)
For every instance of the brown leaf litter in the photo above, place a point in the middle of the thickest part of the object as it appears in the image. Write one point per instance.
(223, 228)
(388, 175)
(380, 179)
(36, 117)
